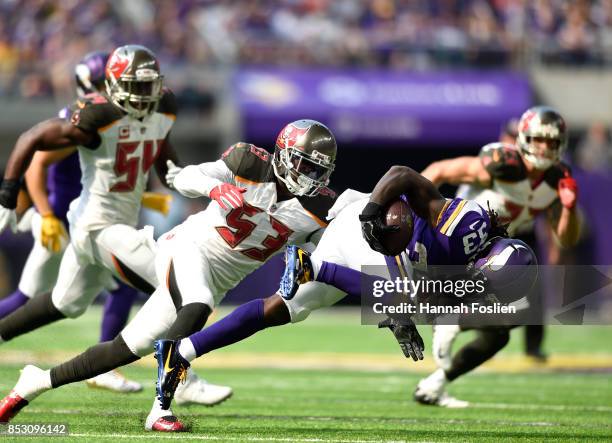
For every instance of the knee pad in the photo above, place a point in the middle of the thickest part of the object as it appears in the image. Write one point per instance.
(130, 253)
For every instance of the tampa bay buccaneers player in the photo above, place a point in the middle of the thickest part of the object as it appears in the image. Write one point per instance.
(259, 203)
(53, 180)
(119, 136)
(519, 182)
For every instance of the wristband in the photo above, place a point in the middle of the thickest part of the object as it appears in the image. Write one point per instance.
(8, 193)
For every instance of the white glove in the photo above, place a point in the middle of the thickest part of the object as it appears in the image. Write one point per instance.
(7, 218)
(173, 171)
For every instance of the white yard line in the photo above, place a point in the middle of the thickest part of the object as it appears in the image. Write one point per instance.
(191, 437)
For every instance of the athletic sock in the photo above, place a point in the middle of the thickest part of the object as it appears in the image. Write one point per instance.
(12, 302)
(486, 344)
(116, 311)
(345, 278)
(243, 322)
(38, 311)
(187, 350)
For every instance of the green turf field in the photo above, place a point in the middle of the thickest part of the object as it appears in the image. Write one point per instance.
(339, 382)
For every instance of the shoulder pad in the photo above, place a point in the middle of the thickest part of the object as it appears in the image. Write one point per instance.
(503, 161)
(167, 103)
(320, 204)
(249, 162)
(93, 112)
(465, 227)
(555, 173)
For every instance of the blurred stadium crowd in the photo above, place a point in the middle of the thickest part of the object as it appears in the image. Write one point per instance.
(42, 36)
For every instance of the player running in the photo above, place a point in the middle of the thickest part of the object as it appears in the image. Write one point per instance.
(519, 182)
(260, 202)
(53, 180)
(444, 232)
(119, 136)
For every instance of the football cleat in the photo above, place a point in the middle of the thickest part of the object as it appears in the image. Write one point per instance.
(171, 370)
(199, 391)
(431, 391)
(168, 423)
(298, 270)
(10, 406)
(114, 381)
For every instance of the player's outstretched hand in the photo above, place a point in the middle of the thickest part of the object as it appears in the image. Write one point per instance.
(173, 171)
(373, 226)
(407, 336)
(228, 196)
(568, 191)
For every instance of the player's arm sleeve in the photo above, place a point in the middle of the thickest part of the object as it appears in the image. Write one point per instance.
(198, 180)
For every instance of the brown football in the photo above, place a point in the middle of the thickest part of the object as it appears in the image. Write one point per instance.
(397, 213)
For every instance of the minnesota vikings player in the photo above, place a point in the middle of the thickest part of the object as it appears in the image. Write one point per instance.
(444, 232)
(518, 181)
(53, 180)
(260, 202)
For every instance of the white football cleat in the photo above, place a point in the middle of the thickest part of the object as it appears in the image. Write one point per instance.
(198, 390)
(114, 381)
(432, 391)
(32, 382)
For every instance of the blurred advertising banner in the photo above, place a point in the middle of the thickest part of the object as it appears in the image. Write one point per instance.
(383, 107)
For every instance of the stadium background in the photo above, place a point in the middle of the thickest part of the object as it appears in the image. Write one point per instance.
(398, 81)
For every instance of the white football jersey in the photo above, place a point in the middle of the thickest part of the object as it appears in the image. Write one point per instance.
(512, 195)
(235, 242)
(115, 169)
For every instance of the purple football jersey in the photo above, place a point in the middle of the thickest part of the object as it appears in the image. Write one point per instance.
(64, 179)
(461, 229)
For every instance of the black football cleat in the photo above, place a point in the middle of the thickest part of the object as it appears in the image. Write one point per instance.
(171, 370)
(298, 270)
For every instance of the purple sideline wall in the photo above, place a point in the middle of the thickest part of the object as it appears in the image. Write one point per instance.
(382, 107)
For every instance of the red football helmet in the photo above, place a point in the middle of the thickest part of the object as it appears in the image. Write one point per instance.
(133, 80)
(304, 157)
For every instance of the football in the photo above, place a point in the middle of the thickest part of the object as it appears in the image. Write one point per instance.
(398, 214)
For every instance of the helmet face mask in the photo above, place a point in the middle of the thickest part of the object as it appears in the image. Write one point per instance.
(133, 80)
(509, 266)
(542, 136)
(297, 162)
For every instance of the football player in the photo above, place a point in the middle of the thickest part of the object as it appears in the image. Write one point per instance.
(444, 232)
(53, 181)
(518, 181)
(259, 203)
(120, 136)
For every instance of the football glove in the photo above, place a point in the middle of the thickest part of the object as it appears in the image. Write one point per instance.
(228, 196)
(52, 232)
(407, 336)
(373, 226)
(568, 191)
(157, 202)
(9, 189)
(173, 171)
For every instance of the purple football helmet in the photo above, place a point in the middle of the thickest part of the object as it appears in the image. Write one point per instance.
(509, 266)
(89, 73)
